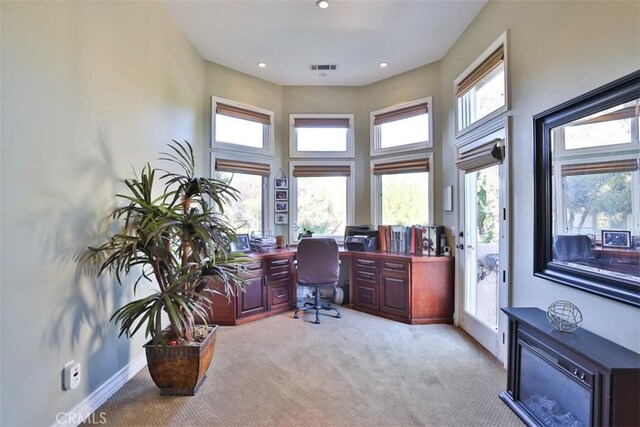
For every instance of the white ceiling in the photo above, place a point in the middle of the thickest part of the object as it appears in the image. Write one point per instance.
(291, 35)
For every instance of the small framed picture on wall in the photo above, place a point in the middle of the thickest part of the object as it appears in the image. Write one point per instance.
(282, 206)
(282, 194)
(282, 183)
(281, 218)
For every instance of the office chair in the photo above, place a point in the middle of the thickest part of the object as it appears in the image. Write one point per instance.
(318, 267)
(575, 249)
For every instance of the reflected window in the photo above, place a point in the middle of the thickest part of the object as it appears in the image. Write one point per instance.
(597, 192)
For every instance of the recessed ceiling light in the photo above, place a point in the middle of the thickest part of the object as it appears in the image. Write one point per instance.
(261, 64)
(384, 64)
(322, 4)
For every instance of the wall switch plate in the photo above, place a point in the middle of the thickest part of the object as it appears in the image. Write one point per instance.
(72, 375)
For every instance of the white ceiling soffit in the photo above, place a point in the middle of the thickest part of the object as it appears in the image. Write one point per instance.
(357, 35)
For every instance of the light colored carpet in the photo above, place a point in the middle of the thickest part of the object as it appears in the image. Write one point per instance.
(360, 370)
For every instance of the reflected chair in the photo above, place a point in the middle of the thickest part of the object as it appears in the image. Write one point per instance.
(575, 249)
(318, 266)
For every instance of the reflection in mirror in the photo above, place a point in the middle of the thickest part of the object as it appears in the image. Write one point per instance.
(596, 190)
(590, 211)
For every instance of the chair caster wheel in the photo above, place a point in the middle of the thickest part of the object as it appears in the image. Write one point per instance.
(338, 316)
(295, 316)
(317, 322)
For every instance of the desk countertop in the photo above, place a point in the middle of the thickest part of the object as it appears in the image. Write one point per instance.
(344, 254)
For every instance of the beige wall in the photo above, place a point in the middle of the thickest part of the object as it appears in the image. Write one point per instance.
(558, 50)
(89, 92)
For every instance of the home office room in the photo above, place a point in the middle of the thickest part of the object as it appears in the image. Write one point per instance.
(387, 213)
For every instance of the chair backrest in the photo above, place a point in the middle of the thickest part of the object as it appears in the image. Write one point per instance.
(318, 261)
(573, 247)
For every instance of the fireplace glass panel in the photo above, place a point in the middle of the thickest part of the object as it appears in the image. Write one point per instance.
(553, 397)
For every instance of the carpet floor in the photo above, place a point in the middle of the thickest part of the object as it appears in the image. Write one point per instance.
(360, 370)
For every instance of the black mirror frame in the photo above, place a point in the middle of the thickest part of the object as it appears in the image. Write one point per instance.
(620, 289)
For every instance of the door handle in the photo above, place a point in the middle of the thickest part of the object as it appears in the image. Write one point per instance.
(460, 246)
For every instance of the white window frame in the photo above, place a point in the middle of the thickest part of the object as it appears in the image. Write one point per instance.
(293, 137)
(293, 194)
(376, 184)
(502, 40)
(268, 196)
(267, 137)
(374, 131)
(586, 158)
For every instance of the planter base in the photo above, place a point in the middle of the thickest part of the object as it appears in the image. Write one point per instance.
(180, 370)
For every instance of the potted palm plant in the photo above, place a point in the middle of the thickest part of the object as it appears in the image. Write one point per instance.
(178, 236)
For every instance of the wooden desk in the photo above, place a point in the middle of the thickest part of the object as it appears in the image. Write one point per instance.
(415, 289)
(407, 288)
(617, 253)
(619, 260)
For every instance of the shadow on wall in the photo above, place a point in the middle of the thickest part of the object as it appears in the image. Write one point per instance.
(77, 221)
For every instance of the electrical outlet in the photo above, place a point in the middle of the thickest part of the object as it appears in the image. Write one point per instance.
(72, 375)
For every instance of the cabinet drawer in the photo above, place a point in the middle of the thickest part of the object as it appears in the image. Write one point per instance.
(395, 266)
(366, 276)
(278, 264)
(367, 263)
(283, 275)
(367, 296)
(278, 296)
(250, 270)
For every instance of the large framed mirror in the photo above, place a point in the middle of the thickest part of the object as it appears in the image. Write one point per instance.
(587, 191)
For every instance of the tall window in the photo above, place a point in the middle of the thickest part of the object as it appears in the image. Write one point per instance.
(252, 210)
(401, 190)
(481, 90)
(402, 127)
(241, 127)
(322, 198)
(321, 135)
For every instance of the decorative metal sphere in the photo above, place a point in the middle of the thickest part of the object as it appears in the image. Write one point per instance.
(564, 316)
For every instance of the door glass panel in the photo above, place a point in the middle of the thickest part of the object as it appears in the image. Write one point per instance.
(482, 246)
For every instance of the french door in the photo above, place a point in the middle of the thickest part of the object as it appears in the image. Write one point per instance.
(483, 251)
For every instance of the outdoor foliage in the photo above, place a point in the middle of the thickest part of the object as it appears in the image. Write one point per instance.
(606, 195)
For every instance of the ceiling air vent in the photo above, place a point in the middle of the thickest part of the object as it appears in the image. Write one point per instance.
(323, 67)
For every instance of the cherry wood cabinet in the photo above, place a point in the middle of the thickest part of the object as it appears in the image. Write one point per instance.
(408, 288)
(270, 283)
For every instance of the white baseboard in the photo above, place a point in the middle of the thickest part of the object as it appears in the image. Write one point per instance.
(88, 406)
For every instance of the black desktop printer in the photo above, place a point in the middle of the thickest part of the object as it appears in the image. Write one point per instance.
(361, 238)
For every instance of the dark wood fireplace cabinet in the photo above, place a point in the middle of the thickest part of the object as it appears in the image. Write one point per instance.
(568, 378)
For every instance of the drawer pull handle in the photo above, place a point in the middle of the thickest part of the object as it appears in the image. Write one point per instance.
(394, 266)
(397, 281)
(366, 262)
(280, 262)
(281, 296)
(280, 273)
(366, 296)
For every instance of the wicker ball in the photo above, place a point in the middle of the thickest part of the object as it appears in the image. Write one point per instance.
(564, 316)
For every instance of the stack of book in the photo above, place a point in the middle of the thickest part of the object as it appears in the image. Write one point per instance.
(401, 239)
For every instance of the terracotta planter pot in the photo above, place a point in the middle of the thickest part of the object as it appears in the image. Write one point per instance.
(179, 370)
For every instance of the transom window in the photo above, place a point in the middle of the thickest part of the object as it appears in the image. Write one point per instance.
(402, 127)
(321, 135)
(481, 90)
(240, 127)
